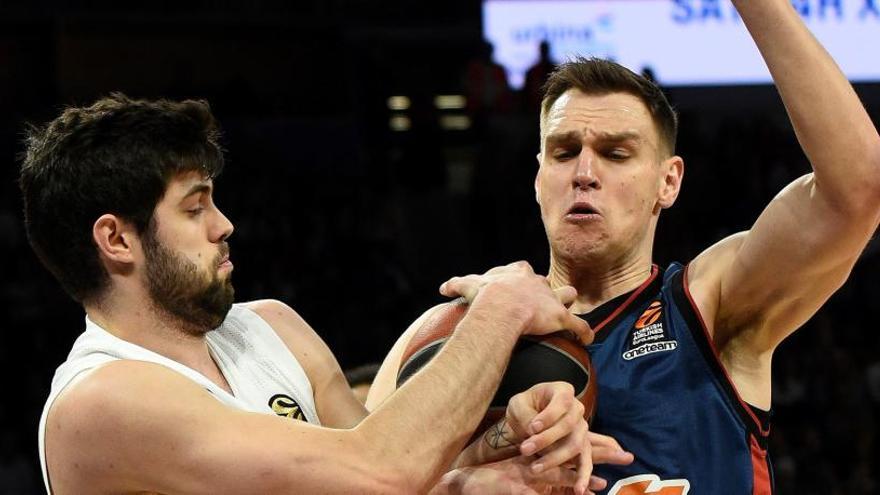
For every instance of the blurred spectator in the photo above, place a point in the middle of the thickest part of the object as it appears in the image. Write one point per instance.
(648, 73)
(536, 76)
(486, 86)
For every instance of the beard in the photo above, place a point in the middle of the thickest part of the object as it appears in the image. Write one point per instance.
(178, 287)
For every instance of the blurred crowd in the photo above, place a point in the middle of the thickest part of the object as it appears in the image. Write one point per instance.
(355, 225)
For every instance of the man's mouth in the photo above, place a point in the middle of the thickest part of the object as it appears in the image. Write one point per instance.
(224, 261)
(582, 211)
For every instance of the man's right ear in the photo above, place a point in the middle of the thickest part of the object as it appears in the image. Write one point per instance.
(114, 238)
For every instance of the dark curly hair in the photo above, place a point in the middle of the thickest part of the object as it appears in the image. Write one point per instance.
(116, 156)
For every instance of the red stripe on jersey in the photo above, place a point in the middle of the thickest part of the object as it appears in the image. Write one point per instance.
(760, 469)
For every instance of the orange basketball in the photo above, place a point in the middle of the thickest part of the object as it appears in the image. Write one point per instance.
(535, 359)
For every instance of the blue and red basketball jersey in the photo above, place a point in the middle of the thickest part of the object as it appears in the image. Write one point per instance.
(664, 395)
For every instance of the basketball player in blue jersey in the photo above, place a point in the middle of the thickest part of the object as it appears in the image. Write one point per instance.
(172, 388)
(683, 354)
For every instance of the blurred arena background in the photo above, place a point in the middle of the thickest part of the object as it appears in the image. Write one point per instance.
(374, 149)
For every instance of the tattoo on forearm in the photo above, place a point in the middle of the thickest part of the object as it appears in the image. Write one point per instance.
(499, 435)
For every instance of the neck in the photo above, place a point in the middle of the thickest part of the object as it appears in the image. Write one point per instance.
(597, 282)
(152, 328)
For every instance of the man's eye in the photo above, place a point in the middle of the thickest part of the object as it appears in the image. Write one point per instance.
(564, 155)
(195, 211)
(617, 155)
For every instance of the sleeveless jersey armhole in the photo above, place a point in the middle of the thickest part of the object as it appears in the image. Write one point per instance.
(755, 419)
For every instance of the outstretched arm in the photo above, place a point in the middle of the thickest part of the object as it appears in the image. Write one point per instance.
(150, 429)
(757, 287)
(564, 438)
(561, 438)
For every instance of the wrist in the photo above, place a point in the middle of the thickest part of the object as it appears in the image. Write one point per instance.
(498, 442)
(493, 307)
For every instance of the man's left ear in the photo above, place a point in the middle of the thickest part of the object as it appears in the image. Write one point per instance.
(672, 175)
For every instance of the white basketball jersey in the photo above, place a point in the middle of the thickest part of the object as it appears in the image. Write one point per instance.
(263, 374)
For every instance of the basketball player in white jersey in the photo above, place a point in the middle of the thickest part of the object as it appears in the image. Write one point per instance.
(172, 388)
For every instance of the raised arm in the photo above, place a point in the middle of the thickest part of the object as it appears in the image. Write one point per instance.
(757, 287)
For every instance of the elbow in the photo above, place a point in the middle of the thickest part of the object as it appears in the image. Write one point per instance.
(862, 190)
(858, 196)
(869, 179)
(868, 203)
(874, 160)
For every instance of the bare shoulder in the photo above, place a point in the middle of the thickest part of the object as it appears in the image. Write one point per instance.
(113, 392)
(281, 317)
(293, 330)
(118, 409)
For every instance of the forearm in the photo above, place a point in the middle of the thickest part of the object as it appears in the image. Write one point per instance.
(830, 122)
(425, 424)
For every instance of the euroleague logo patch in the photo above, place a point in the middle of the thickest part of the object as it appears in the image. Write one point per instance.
(644, 484)
(648, 335)
(284, 405)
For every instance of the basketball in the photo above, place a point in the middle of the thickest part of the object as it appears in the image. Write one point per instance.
(535, 359)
